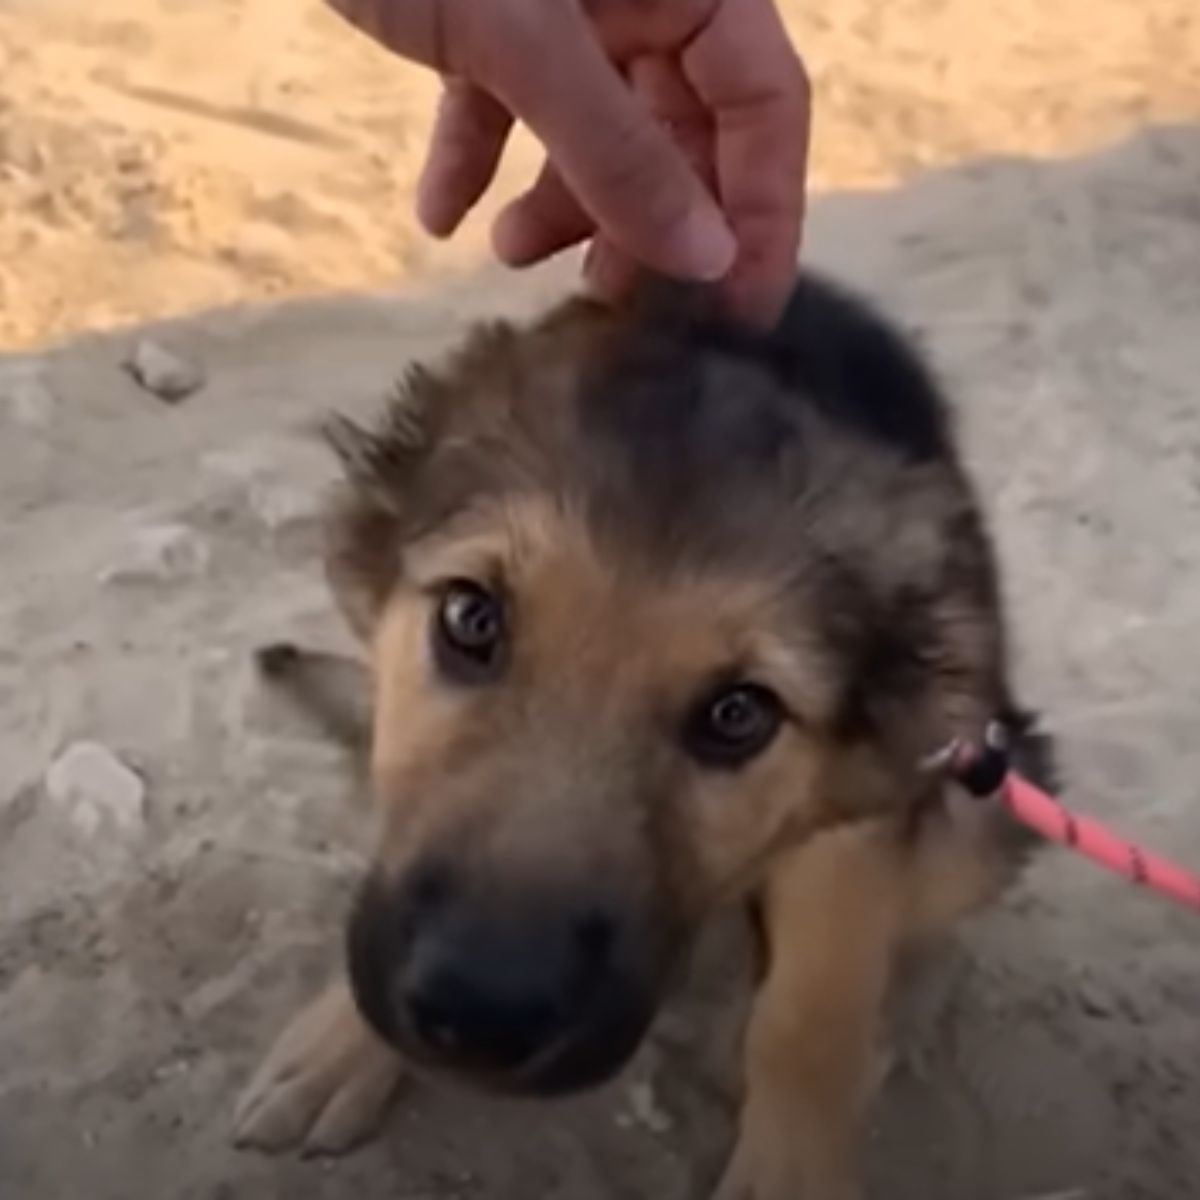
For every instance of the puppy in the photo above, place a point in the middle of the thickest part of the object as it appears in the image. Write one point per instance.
(661, 616)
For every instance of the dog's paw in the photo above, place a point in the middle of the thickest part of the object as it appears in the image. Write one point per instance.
(760, 1171)
(737, 1181)
(325, 1085)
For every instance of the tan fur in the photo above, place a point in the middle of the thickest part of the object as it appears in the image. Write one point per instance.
(568, 768)
(580, 613)
(838, 913)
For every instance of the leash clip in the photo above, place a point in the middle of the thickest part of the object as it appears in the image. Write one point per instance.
(980, 769)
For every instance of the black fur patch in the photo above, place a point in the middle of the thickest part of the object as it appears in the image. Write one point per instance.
(831, 350)
(701, 435)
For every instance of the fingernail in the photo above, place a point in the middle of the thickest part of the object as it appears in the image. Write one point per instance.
(701, 247)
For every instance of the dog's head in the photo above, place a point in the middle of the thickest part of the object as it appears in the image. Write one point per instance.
(646, 603)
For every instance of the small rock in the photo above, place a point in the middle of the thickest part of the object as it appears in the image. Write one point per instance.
(279, 506)
(645, 1109)
(1092, 1000)
(96, 790)
(159, 553)
(266, 476)
(25, 396)
(164, 373)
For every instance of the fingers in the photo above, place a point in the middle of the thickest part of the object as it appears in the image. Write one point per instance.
(541, 222)
(746, 73)
(660, 84)
(412, 28)
(610, 273)
(468, 139)
(548, 218)
(619, 163)
(694, 167)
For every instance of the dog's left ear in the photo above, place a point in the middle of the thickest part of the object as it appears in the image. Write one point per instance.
(930, 671)
(365, 529)
(958, 703)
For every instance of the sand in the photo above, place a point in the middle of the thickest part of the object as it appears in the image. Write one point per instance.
(155, 933)
(161, 156)
(149, 953)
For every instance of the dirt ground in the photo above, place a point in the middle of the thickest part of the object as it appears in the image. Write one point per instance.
(161, 156)
(152, 942)
(150, 949)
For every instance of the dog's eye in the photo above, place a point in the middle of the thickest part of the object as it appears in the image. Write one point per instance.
(731, 726)
(469, 633)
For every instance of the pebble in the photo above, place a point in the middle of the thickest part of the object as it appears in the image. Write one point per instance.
(266, 475)
(164, 373)
(279, 505)
(1092, 1000)
(159, 553)
(96, 790)
(645, 1109)
(25, 396)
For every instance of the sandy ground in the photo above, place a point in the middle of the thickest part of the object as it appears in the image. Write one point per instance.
(150, 950)
(153, 161)
(161, 156)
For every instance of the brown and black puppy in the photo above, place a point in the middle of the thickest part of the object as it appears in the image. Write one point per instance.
(660, 616)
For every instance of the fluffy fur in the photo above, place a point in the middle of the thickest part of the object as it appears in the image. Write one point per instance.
(664, 505)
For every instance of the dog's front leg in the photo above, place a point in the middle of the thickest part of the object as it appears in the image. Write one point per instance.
(831, 913)
(325, 1084)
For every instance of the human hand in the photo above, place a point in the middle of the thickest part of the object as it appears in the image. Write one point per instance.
(676, 132)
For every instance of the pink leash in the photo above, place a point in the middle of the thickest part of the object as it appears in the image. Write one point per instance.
(985, 771)
(1047, 816)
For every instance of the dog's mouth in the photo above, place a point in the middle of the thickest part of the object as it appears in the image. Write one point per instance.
(584, 1057)
(589, 1050)
(501, 1012)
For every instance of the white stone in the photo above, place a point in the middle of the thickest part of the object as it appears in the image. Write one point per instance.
(161, 553)
(279, 505)
(25, 397)
(164, 373)
(266, 475)
(645, 1109)
(96, 791)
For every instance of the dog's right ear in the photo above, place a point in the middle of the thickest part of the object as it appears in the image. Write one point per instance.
(365, 530)
(379, 462)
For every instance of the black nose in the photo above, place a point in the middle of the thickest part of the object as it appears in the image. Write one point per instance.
(495, 991)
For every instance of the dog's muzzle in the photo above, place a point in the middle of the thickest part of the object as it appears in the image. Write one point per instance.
(537, 991)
